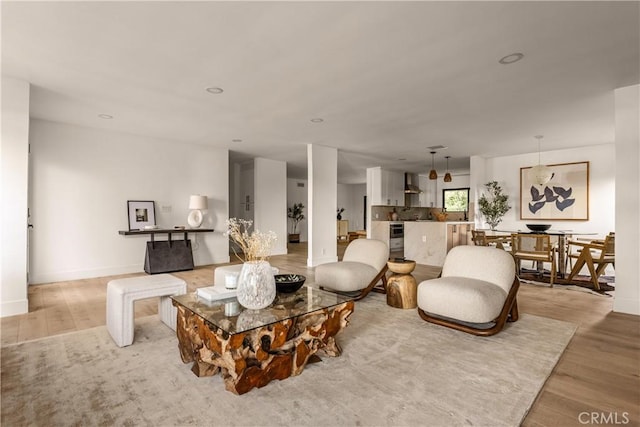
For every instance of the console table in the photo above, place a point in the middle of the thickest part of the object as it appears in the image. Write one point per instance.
(165, 256)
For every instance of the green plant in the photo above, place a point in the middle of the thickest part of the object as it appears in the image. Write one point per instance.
(495, 205)
(295, 214)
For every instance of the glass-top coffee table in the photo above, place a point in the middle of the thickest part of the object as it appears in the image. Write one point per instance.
(252, 347)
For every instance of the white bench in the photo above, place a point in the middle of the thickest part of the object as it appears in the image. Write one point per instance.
(122, 293)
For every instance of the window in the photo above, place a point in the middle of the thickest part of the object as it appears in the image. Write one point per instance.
(455, 199)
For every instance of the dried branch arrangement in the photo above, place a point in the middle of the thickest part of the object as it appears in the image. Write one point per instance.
(255, 245)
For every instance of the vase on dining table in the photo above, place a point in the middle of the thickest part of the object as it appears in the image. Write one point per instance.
(256, 285)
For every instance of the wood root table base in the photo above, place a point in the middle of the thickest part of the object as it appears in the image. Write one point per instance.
(255, 357)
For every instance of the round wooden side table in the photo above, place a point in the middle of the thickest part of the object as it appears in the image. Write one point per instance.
(402, 289)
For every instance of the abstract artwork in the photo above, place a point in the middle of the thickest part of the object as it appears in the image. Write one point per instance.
(564, 197)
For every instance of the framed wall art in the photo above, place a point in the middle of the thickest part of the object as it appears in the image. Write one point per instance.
(142, 213)
(564, 197)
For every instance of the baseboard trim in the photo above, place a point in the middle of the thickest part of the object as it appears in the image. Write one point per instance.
(12, 308)
(626, 305)
(61, 276)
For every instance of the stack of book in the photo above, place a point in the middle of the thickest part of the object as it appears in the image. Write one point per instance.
(213, 293)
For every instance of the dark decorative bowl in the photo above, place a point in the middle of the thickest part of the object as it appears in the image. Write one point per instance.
(288, 283)
(539, 227)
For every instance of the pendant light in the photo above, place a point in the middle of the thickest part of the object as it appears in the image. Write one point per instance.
(540, 174)
(432, 173)
(447, 176)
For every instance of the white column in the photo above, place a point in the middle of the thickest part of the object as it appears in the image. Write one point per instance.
(322, 166)
(477, 179)
(627, 295)
(14, 172)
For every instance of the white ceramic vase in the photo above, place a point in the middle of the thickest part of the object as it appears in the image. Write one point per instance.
(256, 285)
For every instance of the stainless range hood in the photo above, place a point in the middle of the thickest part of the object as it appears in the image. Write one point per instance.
(410, 184)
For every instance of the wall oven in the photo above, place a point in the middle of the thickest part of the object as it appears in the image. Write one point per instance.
(396, 239)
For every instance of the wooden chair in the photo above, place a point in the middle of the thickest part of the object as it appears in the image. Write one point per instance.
(480, 238)
(476, 292)
(574, 253)
(363, 265)
(596, 255)
(534, 247)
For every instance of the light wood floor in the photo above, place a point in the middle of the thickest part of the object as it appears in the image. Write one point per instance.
(598, 373)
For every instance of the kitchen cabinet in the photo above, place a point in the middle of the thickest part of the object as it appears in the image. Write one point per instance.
(387, 187)
(428, 196)
(458, 234)
(394, 188)
(427, 242)
(380, 231)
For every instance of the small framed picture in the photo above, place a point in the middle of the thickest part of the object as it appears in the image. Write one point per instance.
(142, 213)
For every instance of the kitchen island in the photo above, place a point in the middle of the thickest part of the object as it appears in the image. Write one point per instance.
(427, 242)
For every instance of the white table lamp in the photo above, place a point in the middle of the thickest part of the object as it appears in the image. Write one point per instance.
(197, 204)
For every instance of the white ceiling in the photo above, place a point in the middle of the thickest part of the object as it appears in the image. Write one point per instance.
(389, 78)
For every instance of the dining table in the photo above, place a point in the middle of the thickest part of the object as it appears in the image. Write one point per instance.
(562, 236)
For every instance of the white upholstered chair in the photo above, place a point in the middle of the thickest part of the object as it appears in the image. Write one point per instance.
(363, 265)
(476, 292)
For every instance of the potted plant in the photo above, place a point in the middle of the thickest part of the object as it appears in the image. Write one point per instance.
(295, 214)
(495, 205)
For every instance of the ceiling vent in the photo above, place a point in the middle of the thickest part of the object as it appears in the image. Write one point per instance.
(437, 147)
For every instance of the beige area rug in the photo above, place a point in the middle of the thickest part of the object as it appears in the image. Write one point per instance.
(395, 370)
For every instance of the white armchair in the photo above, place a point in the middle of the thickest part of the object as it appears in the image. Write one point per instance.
(363, 265)
(476, 292)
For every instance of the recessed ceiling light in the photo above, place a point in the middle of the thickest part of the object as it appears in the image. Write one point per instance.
(317, 120)
(511, 58)
(105, 116)
(214, 90)
(236, 140)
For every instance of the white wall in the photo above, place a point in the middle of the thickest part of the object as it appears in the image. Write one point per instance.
(81, 179)
(627, 296)
(14, 160)
(298, 194)
(242, 200)
(270, 184)
(506, 170)
(351, 198)
(323, 186)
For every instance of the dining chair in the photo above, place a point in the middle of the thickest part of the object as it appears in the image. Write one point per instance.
(479, 237)
(596, 255)
(534, 247)
(574, 252)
